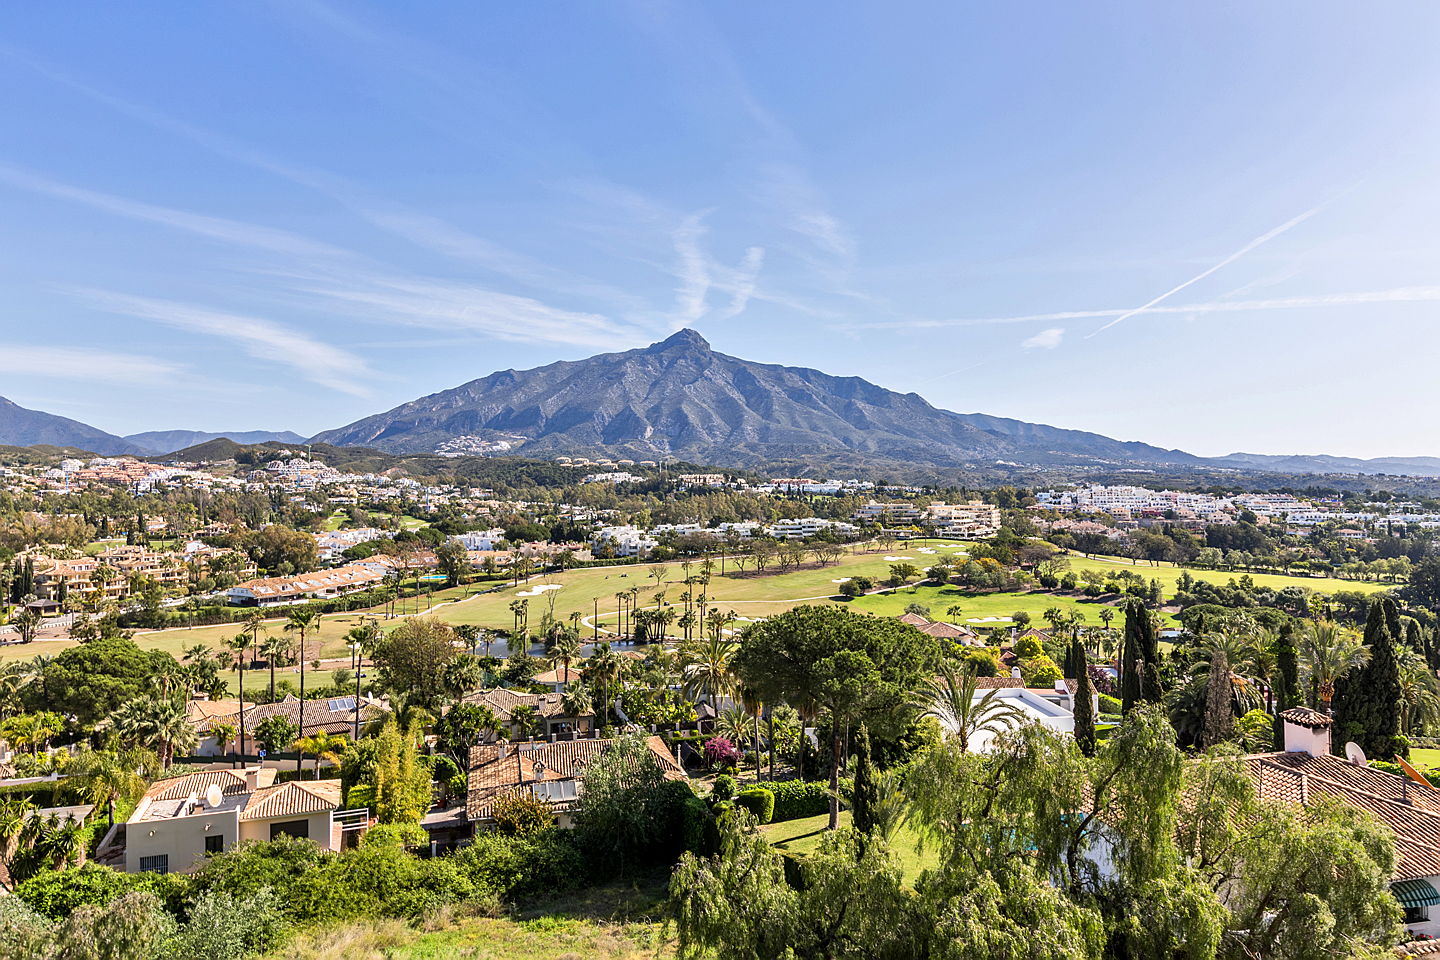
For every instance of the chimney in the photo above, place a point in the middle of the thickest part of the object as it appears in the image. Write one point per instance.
(502, 748)
(1306, 731)
(1015, 673)
(252, 779)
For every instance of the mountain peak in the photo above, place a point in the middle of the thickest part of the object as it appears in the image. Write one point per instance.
(686, 338)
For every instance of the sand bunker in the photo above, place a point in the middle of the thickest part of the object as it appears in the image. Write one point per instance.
(893, 559)
(538, 589)
(989, 620)
(841, 580)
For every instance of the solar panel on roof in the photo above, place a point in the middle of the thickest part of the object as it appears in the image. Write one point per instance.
(342, 703)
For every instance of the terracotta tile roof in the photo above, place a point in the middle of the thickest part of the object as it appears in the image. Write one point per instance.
(914, 619)
(298, 798)
(1306, 717)
(493, 776)
(230, 782)
(1016, 683)
(1409, 809)
(503, 701)
(335, 715)
(203, 713)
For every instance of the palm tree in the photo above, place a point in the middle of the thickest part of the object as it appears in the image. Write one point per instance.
(273, 649)
(954, 699)
(14, 812)
(576, 700)
(101, 776)
(237, 645)
(254, 625)
(564, 651)
(322, 745)
(1419, 692)
(604, 667)
(301, 619)
(1328, 653)
(706, 668)
(157, 722)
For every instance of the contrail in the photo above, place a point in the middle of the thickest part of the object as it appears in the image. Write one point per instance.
(1262, 239)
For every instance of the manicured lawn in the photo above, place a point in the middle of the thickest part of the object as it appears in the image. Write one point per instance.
(975, 607)
(748, 594)
(804, 836)
(1424, 758)
(1169, 573)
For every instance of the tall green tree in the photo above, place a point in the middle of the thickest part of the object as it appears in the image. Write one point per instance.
(865, 795)
(1084, 702)
(855, 667)
(1367, 701)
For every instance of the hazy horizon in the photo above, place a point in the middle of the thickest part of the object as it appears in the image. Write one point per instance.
(1203, 228)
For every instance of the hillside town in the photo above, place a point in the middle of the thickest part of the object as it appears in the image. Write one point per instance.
(239, 658)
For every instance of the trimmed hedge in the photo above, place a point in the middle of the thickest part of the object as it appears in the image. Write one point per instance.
(795, 799)
(758, 801)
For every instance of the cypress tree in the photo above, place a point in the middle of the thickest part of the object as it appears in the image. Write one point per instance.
(1084, 705)
(1287, 663)
(1219, 713)
(1366, 706)
(865, 795)
(1131, 657)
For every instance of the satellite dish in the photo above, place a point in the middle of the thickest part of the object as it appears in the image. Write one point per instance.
(214, 796)
(1354, 754)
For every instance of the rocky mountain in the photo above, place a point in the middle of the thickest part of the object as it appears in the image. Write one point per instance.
(168, 441)
(680, 398)
(22, 427)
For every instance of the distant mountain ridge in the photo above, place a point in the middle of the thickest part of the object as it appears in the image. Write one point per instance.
(168, 441)
(1324, 463)
(680, 398)
(23, 427)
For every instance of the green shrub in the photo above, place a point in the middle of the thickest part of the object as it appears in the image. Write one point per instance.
(796, 799)
(523, 866)
(759, 801)
(57, 893)
(699, 828)
(1027, 648)
(724, 788)
(1109, 704)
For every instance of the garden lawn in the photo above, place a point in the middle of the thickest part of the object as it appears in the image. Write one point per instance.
(804, 836)
(1169, 573)
(976, 606)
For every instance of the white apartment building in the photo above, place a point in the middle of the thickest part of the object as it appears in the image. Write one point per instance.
(627, 541)
(480, 539)
(806, 527)
(960, 520)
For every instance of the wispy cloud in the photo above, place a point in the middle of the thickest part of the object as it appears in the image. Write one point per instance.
(215, 228)
(1411, 294)
(91, 366)
(1044, 340)
(743, 282)
(692, 270)
(1264, 238)
(455, 306)
(262, 339)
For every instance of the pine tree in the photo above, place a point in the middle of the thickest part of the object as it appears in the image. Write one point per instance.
(1084, 704)
(1366, 705)
(1219, 714)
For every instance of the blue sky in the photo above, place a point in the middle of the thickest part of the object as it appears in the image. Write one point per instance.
(1208, 226)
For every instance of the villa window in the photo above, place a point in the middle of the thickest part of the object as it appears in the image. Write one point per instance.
(156, 864)
(290, 828)
(215, 844)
